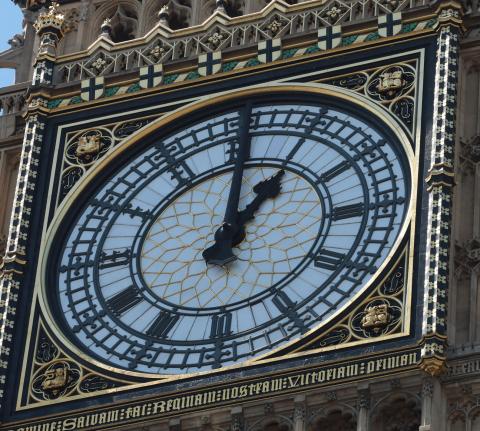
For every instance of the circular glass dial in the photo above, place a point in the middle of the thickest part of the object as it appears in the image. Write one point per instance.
(282, 233)
(213, 246)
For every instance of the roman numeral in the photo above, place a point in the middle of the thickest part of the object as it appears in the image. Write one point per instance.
(335, 171)
(116, 258)
(328, 259)
(124, 300)
(180, 171)
(287, 307)
(348, 211)
(221, 325)
(162, 325)
(283, 302)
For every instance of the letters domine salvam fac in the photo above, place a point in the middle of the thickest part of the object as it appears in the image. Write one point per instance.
(241, 215)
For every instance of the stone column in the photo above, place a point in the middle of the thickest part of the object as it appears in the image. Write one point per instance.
(175, 425)
(237, 419)
(300, 413)
(440, 188)
(49, 27)
(363, 406)
(434, 416)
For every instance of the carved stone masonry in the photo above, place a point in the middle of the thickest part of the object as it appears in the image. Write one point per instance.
(467, 258)
(440, 188)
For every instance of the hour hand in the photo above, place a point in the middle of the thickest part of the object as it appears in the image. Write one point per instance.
(267, 189)
(231, 234)
(221, 252)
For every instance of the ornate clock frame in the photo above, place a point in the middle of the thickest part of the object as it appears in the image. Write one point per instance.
(394, 326)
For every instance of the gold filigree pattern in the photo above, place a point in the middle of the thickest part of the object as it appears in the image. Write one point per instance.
(55, 376)
(393, 86)
(85, 148)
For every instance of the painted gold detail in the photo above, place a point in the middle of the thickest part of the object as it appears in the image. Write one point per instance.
(55, 379)
(381, 314)
(88, 147)
(55, 376)
(391, 82)
(394, 87)
(433, 365)
(376, 317)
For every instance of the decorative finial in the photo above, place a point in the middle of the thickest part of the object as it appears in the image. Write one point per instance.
(164, 15)
(51, 21)
(222, 6)
(106, 28)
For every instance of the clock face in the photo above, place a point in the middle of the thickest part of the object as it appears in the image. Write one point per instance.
(305, 199)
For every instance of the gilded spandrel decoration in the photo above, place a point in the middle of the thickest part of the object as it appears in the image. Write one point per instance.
(379, 314)
(392, 86)
(55, 380)
(376, 317)
(86, 147)
(55, 376)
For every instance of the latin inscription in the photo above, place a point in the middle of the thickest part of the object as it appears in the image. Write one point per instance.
(241, 392)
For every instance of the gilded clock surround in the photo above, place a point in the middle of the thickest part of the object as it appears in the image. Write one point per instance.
(372, 330)
(400, 330)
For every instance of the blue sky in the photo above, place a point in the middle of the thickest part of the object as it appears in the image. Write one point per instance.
(10, 24)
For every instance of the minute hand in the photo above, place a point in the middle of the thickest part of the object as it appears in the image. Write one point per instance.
(221, 252)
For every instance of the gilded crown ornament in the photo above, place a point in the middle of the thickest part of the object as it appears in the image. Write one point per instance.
(50, 27)
(49, 21)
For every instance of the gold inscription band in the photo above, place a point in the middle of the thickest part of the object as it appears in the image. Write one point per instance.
(315, 377)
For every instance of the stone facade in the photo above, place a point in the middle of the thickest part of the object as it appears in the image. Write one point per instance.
(411, 401)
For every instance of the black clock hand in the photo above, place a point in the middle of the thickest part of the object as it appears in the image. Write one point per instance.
(267, 189)
(221, 252)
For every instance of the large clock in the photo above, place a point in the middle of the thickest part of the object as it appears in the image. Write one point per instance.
(228, 232)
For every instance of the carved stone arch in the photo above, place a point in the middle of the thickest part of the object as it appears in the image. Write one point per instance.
(399, 411)
(180, 14)
(337, 416)
(124, 15)
(273, 422)
(457, 421)
(474, 418)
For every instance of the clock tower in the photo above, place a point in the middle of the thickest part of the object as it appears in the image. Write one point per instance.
(241, 215)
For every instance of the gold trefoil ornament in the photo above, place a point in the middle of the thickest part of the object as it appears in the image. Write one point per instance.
(376, 318)
(55, 379)
(88, 147)
(391, 83)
